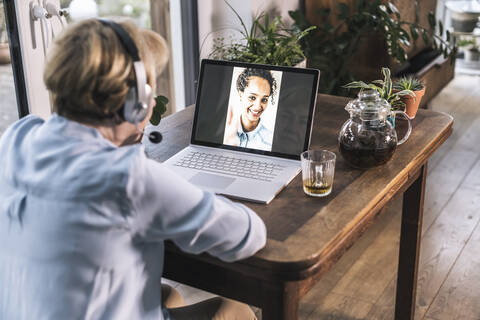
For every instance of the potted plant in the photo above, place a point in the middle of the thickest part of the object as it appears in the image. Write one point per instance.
(470, 49)
(269, 41)
(385, 89)
(334, 45)
(4, 48)
(411, 102)
(472, 54)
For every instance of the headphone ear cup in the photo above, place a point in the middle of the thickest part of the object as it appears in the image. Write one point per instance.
(149, 94)
(134, 111)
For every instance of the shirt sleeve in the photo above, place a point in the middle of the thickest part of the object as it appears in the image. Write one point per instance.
(167, 207)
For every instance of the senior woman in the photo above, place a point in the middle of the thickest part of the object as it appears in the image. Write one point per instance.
(83, 211)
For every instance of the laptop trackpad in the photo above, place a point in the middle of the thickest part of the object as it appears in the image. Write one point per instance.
(211, 180)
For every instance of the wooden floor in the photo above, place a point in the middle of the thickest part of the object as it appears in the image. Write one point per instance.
(362, 284)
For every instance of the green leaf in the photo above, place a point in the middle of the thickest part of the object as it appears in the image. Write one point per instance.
(356, 85)
(405, 93)
(387, 80)
(343, 10)
(414, 33)
(376, 88)
(238, 17)
(405, 42)
(361, 5)
(426, 37)
(431, 19)
(159, 109)
(394, 9)
(155, 119)
(383, 8)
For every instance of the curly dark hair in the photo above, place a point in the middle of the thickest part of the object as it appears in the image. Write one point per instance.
(242, 80)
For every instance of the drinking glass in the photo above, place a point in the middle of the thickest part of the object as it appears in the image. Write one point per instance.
(318, 168)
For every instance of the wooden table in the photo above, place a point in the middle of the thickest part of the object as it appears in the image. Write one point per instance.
(306, 235)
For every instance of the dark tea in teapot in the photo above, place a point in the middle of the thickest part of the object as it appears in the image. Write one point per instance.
(367, 152)
(368, 139)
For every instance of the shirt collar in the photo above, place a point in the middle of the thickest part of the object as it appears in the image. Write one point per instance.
(76, 130)
(253, 132)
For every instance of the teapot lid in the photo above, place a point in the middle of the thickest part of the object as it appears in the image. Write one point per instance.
(369, 106)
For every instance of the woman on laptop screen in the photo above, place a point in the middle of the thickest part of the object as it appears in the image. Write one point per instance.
(252, 108)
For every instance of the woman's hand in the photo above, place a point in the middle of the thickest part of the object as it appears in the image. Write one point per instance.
(231, 129)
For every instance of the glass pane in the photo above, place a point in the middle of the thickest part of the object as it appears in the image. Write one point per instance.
(8, 101)
(138, 10)
(141, 12)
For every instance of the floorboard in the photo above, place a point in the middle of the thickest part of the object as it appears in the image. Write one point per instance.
(450, 212)
(459, 99)
(340, 307)
(355, 264)
(443, 243)
(446, 177)
(458, 297)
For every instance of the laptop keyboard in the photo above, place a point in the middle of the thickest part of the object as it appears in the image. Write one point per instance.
(257, 170)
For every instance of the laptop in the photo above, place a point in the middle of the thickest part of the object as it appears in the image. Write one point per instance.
(250, 126)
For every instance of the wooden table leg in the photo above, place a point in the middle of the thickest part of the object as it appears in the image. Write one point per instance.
(412, 215)
(280, 301)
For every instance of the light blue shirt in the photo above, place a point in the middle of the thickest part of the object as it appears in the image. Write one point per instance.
(82, 224)
(260, 138)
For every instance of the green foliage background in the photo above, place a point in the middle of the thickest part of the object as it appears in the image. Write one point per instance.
(331, 47)
(268, 41)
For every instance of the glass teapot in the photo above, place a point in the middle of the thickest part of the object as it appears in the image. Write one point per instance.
(368, 139)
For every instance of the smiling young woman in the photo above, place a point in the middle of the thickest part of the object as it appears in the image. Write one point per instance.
(256, 88)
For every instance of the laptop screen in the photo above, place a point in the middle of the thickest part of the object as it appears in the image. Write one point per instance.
(255, 108)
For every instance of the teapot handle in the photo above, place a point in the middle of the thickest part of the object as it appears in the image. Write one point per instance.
(409, 126)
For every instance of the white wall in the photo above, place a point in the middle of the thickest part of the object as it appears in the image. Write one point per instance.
(177, 54)
(216, 19)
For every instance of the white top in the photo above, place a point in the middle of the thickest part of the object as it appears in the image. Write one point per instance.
(82, 224)
(260, 138)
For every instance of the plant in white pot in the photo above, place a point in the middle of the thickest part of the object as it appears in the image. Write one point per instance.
(4, 48)
(470, 49)
(269, 41)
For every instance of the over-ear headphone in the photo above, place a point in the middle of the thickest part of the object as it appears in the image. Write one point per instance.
(138, 100)
(139, 97)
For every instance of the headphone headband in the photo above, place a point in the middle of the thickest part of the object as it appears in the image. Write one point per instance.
(138, 98)
(124, 38)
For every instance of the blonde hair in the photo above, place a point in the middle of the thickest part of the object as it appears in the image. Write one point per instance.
(89, 72)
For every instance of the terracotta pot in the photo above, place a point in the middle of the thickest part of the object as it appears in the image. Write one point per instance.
(412, 103)
(4, 53)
